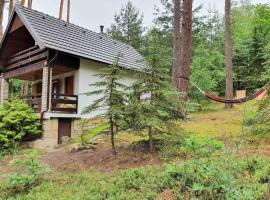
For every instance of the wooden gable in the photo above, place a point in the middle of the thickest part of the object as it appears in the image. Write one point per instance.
(17, 39)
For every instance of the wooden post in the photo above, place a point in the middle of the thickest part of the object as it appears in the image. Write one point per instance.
(45, 82)
(50, 89)
(4, 89)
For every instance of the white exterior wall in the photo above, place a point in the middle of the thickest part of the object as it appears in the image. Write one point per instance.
(87, 75)
(83, 77)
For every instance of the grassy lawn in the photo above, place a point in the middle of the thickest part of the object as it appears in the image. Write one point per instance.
(136, 174)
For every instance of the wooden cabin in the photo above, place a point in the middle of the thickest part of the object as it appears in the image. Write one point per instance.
(60, 61)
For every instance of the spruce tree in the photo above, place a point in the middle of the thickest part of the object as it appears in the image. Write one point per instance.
(159, 101)
(111, 96)
(128, 26)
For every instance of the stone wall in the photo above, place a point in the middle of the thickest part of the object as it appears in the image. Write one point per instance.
(49, 138)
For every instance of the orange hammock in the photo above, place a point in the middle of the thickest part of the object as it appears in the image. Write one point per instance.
(231, 101)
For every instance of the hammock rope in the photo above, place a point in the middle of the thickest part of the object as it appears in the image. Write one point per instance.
(230, 101)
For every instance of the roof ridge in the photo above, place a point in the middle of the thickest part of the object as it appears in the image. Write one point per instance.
(102, 34)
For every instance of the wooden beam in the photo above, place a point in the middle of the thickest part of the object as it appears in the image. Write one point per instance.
(25, 70)
(24, 51)
(63, 101)
(25, 56)
(68, 110)
(37, 58)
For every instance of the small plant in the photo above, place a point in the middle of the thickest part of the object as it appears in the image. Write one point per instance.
(28, 174)
(200, 146)
(83, 125)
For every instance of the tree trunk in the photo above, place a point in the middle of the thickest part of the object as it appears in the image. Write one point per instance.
(112, 136)
(176, 44)
(2, 7)
(68, 11)
(30, 3)
(22, 2)
(61, 9)
(228, 53)
(187, 47)
(150, 133)
(11, 6)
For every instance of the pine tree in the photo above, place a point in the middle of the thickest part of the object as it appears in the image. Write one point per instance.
(128, 26)
(112, 97)
(228, 52)
(61, 9)
(187, 48)
(160, 101)
(11, 7)
(2, 7)
(176, 44)
(22, 2)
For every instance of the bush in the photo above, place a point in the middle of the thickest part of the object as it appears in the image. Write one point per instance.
(206, 179)
(202, 147)
(226, 178)
(262, 124)
(17, 122)
(28, 174)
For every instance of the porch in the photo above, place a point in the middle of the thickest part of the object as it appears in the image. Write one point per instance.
(47, 80)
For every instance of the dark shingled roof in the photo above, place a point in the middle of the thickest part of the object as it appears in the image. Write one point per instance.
(59, 35)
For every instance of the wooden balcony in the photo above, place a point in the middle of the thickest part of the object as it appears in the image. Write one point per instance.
(64, 103)
(25, 62)
(61, 103)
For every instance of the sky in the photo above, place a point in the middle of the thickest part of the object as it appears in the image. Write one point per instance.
(93, 13)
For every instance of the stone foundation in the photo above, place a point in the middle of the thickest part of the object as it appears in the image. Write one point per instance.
(49, 138)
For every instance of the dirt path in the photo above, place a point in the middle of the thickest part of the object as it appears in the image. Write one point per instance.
(100, 158)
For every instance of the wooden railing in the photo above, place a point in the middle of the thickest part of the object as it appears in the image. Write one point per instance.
(26, 57)
(64, 103)
(61, 103)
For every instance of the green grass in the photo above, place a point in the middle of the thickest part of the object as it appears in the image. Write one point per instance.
(197, 178)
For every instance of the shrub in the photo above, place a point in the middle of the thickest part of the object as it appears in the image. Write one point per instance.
(28, 174)
(200, 146)
(263, 117)
(17, 122)
(225, 178)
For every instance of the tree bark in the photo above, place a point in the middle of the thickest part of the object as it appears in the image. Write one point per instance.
(2, 7)
(30, 3)
(112, 136)
(176, 44)
(228, 53)
(68, 11)
(150, 133)
(61, 9)
(22, 2)
(11, 6)
(187, 48)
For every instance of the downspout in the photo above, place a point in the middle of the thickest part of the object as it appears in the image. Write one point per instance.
(49, 86)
